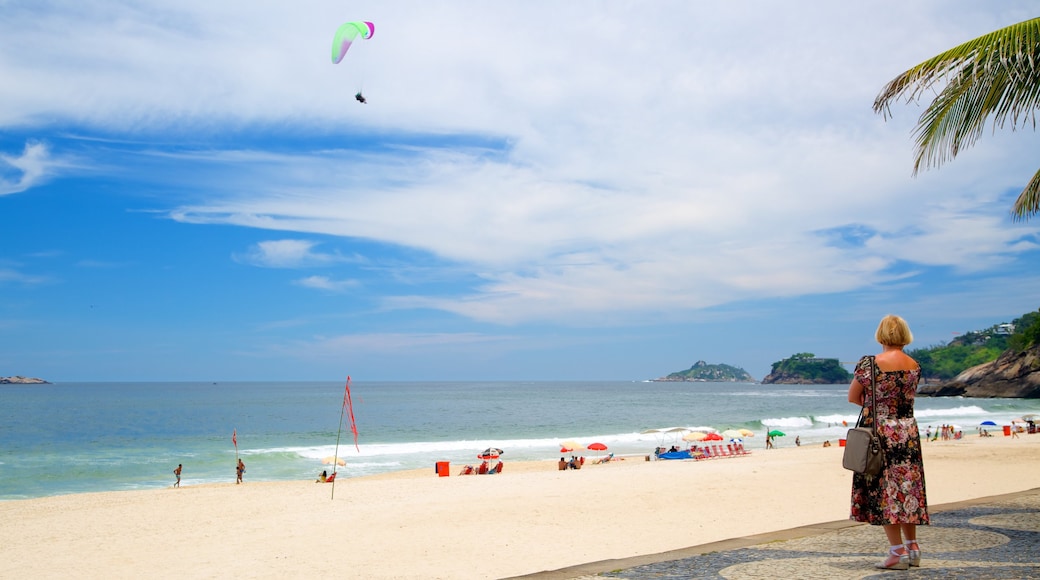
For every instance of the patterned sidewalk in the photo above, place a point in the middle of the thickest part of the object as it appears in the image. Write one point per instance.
(995, 537)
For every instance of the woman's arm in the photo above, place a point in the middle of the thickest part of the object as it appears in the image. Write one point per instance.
(856, 392)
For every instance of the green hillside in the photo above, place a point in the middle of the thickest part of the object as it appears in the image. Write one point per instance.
(946, 361)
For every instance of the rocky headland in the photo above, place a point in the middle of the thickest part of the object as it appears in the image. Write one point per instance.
(1012, 375)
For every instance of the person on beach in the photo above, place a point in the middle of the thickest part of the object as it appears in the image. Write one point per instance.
(323, 477)
(240, 469)
(177, 472)
(895, 497)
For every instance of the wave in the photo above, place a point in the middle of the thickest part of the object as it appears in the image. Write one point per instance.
(954, 412)
(788, 422)
(427, 448)
(836, 418)
(809, 393)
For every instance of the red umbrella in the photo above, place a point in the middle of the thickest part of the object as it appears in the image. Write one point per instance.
(713, 437)
(597, 447)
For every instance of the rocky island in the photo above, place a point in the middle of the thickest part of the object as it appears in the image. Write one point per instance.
(20, 380)
(807, 369)
(704, 372)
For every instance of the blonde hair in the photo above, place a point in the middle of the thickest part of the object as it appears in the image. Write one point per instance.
(893, 331)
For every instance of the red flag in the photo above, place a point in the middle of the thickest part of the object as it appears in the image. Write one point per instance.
(349, 406)
(234, 438)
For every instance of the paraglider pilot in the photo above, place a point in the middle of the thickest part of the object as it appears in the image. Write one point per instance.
(360, 98)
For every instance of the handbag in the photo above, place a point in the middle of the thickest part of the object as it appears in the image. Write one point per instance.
(863, 452)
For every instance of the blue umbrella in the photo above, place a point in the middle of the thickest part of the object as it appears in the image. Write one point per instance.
(988, 423)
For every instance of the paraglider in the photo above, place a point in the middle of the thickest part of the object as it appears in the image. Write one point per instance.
(345, 36)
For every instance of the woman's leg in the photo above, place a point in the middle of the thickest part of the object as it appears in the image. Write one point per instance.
(896, 557)
(894, 534)
(912, 548)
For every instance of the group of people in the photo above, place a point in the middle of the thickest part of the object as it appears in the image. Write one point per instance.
(574, 463)
(944, 432)
(240, 468)
(484, 469)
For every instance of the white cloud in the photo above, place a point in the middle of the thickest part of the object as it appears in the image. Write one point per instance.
(619, 161)
(287, 254)
(326, 283)
(19, 173)
(12, 276)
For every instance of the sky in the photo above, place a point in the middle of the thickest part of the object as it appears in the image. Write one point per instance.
(534, 190)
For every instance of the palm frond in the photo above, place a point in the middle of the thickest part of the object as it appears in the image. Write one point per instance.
(993, 76)
(1028, 202)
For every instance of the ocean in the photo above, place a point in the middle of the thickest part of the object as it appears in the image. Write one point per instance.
(87, 437)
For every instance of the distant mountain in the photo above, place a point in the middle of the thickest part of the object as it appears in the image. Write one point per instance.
(806, 369)
(702, 371)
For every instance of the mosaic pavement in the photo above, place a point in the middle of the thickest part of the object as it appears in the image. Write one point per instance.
(990, 538)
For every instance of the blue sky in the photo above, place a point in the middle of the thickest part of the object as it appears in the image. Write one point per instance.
(535, 190)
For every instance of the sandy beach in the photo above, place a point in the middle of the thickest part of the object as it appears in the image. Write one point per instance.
(413, 524)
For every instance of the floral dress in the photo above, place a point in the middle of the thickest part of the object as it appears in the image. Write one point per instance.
(896, 495)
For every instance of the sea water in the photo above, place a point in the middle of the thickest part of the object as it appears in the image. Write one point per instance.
(85, 437)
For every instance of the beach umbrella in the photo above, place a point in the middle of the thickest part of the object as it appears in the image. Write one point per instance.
(570, 447)
(732, 434)
(776, 433)
(333, 459)
(694, 436)
(1030, 417)
(747, 432)
(597, 447)
(650, 432)
(490, 453)
(988, 423)
(713, 437)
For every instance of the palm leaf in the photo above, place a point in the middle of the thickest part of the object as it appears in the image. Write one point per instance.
(993, 76)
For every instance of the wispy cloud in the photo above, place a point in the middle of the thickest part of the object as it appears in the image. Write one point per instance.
(325, 283)
(12, 276)
(288, 254)
(22, 172)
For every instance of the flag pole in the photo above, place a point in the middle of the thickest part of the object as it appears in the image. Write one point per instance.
(335, 456)
(348, 406)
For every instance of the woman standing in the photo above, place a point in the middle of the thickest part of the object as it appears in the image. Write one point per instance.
(894, 498)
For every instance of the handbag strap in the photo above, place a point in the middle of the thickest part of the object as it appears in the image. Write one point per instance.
(873, 396)
(874, 400)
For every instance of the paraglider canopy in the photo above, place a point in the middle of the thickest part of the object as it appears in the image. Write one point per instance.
(346, 34)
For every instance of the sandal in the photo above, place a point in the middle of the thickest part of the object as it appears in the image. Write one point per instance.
(895, 560)
(915, 553)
